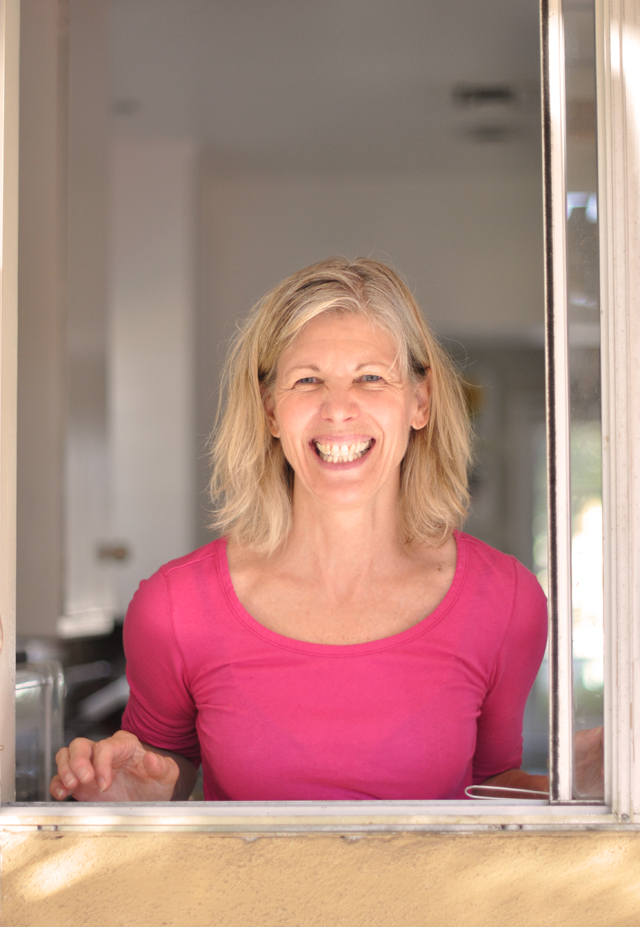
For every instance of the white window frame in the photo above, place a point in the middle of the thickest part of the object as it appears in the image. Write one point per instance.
(618, 101)
(618, 44)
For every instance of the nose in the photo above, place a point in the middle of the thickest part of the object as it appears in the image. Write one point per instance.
(339, 404)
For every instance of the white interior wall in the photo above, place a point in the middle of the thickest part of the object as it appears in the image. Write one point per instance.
(41, 321)
(88, 578)
(151, 365)
(470, 246)
(62, 586)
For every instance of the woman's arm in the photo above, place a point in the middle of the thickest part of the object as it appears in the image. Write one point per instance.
(588, 760)
(516, 779)
(161, 708)
(121, 768)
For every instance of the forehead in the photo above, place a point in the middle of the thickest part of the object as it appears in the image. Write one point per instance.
(342, 333)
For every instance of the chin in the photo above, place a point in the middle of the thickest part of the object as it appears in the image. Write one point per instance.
(341, 497)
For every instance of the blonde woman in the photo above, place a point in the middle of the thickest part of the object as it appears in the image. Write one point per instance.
(342, 639)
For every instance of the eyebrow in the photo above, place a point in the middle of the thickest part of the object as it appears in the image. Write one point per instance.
(313, 367)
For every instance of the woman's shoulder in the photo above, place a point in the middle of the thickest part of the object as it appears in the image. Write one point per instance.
(179, 598)
(503, 593)
(183, 575)
(482, 555)
(487, 565)
(203, 556)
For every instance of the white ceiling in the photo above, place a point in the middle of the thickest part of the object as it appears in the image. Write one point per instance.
(335, 86)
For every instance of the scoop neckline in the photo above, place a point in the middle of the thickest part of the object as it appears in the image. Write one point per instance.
(366, 647)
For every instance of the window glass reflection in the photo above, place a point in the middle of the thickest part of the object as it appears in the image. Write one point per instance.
(584, 366)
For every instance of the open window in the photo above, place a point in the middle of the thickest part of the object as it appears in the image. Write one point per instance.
(592, 289)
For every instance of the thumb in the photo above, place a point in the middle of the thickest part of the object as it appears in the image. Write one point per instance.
(161, 768)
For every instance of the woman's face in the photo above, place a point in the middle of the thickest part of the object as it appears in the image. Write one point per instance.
(342, 409)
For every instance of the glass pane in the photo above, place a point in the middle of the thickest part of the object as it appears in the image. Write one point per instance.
(536, 724)
(584, 367)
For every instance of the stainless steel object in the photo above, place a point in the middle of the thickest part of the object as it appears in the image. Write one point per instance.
(39, 727)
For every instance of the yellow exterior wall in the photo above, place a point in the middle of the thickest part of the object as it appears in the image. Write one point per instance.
(130, 880)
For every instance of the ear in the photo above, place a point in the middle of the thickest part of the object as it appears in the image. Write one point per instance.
(268, 403)
(423, 395)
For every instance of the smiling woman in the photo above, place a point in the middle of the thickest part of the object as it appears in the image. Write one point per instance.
(343, 640)
(252, 475)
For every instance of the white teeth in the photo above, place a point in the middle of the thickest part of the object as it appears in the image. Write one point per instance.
(344, 453)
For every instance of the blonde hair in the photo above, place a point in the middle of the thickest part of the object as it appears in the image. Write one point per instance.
(252, 482)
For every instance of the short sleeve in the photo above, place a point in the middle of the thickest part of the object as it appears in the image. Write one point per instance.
(160, 711)
(499, 731)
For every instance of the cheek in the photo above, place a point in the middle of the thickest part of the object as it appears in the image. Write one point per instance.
(396, 418)
(292, 417)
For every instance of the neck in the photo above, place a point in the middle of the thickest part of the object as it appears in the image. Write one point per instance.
(344, 546)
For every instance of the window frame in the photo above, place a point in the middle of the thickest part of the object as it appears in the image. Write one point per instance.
(618, 106)
(618, 87)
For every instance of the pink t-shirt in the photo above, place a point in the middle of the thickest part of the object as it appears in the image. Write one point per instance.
(419, 715)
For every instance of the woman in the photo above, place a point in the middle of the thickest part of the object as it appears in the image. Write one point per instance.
(343, 640)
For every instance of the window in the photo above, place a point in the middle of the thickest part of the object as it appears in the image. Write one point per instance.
(618, 50)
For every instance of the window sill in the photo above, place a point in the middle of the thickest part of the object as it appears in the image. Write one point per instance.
(356, 818)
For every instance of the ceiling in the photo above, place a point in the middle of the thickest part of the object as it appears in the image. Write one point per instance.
(331, 86)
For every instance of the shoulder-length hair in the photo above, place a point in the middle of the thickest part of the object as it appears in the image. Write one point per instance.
(252, 482)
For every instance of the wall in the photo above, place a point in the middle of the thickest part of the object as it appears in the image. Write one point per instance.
(151, 376)
(88, 605)
(63, 484)
(466, 880)
(41, 323)
(470, 245)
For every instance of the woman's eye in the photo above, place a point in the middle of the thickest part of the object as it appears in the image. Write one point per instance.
(307, 381)
(371, 378)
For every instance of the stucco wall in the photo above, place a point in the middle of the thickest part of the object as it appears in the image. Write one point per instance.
(526, 880)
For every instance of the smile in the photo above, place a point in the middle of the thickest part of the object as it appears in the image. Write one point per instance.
(342, 453)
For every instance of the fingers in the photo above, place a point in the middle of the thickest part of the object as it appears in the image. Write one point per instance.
(112, 754)
(85, 764)
(75, 765)
(105, 754)
(58, 788)
(118, 768)
(163, 769)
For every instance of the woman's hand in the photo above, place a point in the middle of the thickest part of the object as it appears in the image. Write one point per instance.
(588, 763)
(119, 768)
